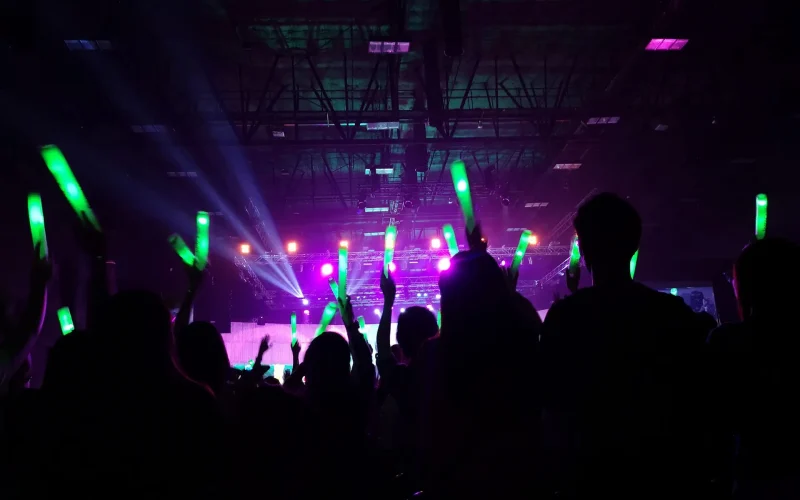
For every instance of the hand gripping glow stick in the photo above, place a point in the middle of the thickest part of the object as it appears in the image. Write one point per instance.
(388, 253)
(461, 183)
(761, 216)
(334, 287)
(36, 219)
(574, 257)
(361, 322)
(327, 316)
(294, 328)
(182, 250)
(634, 259)
(521, 249)
(450, 238)
(201, 246)
(342, 271)
(65, 320)
(59, 167)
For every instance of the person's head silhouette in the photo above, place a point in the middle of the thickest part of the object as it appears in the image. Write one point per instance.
(609, 230)
(763, 286)
(414, 327)
(202, 355)
(327, 362)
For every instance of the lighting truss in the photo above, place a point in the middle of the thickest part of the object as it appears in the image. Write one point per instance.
(248, 276)
(400, 255)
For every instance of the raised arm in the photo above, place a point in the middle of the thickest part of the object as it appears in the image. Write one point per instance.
(385, 356)
(195, 278)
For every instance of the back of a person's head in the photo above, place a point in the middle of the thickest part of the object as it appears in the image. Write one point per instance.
(415, 326)
(327, 360)
(764, 285)
(609, 230)
(202, 354)
(136, 327)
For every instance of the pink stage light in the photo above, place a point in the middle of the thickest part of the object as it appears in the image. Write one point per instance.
(444, 264)
(306, 312)
(392, 267)
(436, 243)
(327, 269)
(667, 44)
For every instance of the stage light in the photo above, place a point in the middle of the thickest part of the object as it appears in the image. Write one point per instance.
(444, 264)
(244, 248)
(402, 310)
(419, 294)
(305, 302)
(306, 312)
(327, 269)
(377, 312)
(392, 267)
(344, 243)
(502, 263)
(436, 243)
(291, 247)
(533, 240)
(438, 296)
(430, 307)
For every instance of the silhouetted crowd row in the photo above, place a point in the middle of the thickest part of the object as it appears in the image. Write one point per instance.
(622, 392)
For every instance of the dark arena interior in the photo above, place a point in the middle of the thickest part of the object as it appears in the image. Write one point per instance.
(308, 136)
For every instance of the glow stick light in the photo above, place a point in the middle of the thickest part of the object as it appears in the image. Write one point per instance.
(65, 320)
(634, 259)
(342, 272)
(36, 219)
(59, 167)
(461, 183)
(361, 322)
(201, 246)
(761, 216)
(388, 253)
(294, 329)
(450, 238)
(574, 257)
(327, 316)
(439, 318)
(334, 287)
(521, 249)
(182, 250)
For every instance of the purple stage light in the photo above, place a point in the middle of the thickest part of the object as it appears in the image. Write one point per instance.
(444, 264)
(377, 312)
(327, 269)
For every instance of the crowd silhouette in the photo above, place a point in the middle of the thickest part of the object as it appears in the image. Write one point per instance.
(622, 391)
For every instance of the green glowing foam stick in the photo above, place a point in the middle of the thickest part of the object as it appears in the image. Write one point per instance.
(342, 272)
(574, 257)
(450, 238)
(36, 219)
(334, 287)
(461, 183)
(250, 364)
(361, 322)
(65, 320)
(294, 328)
(59, 167)
(521, 249)
(634, 259)
(327, 316)
(182, 250)
(388, 253)
(761, 216)
(673, 291)
(201, 246)
(439, 318)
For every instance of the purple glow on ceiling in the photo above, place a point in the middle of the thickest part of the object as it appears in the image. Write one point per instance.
(667, 44)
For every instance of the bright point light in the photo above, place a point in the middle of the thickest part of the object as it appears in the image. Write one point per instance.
(327, 269)
(244, 248)
(305, 302)
(392, 267)
(430, 307)
(306, 312)
(436, 243)
(502, 262)
(402, 309)
(533, 240)
(461, 186)
(377, 312)
(444, 264)
(438, 296)
(291, 247)
(344, 243)
(202, 220)
(424, 294)
(673, 291)
(419, 294)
